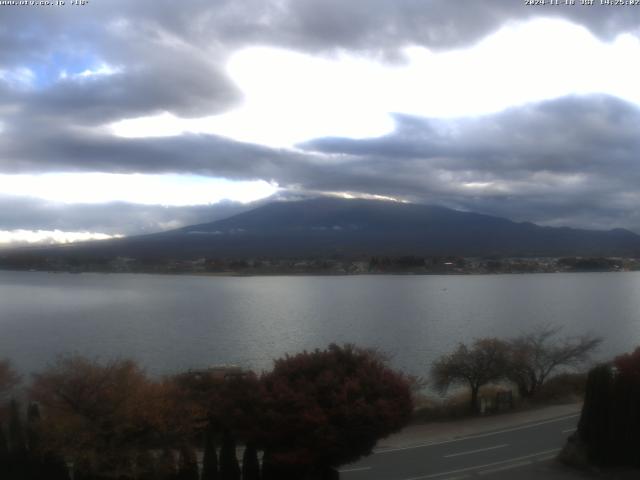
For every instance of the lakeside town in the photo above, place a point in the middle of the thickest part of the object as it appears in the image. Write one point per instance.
(410, 265)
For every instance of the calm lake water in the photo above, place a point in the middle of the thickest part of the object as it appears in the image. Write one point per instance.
(170, 323)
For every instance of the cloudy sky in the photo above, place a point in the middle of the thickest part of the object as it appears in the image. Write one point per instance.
(129, 116)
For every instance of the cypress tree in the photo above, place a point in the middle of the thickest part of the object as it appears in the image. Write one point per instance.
(268, 472)
(33, 428)
(146, 466)
(250, 463)
(229, 468)
(210, 457)
(16, 431)
(39, 466)
(43, 464)
(610, 423)
(595, 422)
(187, 464)
(18, 456)
(625, 418)
(4, 454)
(167, 465)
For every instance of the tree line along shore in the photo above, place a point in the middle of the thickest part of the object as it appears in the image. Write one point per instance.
(313, 412)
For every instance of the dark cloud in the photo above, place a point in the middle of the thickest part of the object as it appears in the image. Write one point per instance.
(183, 86)
(389, 24)
(28, 148)
(158, 67)
(172, 54)
(571, 134)
(569, 161)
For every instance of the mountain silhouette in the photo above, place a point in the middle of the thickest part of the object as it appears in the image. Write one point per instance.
(326, 227)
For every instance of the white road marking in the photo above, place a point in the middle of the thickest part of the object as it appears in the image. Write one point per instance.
(481, 435)
(356, 469)
(569, 430)
(480, 467)
(469, 452)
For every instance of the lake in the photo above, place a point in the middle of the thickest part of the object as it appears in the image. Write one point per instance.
(171, 323)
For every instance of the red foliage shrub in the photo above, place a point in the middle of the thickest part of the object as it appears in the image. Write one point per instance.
(628, 365)
(329, 407)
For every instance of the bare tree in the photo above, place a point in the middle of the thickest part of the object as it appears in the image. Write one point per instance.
(535, 355)
(484, 362)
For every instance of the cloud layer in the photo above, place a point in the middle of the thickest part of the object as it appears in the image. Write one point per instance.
(65, 74)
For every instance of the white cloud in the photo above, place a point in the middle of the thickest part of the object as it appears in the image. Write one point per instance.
(169, 190)
(16, 237)
(363, 196)
(101, 70)
(292, 97)
(21, 77)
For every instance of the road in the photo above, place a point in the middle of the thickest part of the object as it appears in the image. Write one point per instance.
(520, 451)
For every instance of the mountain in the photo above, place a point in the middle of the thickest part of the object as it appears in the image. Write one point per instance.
(327, 227)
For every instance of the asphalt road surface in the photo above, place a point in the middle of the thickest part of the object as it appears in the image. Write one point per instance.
(507, 453)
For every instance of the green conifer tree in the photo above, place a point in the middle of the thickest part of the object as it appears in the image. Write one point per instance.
(250, 463)
(33, 428)
(146, 465)
(4, 454)
(167, 465)
(229, 468)
(210, 457)
(187, 464)
(17, 444)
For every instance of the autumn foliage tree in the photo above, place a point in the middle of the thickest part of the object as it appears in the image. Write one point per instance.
(326, 408)
(9, 379)
(313, 412)
(99, 414)
(484, 362)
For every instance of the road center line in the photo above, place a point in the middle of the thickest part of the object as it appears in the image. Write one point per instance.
(469, 452)
(480, 435)
(486, 465)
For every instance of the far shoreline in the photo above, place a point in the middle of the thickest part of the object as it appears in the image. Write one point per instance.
(312, 274)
